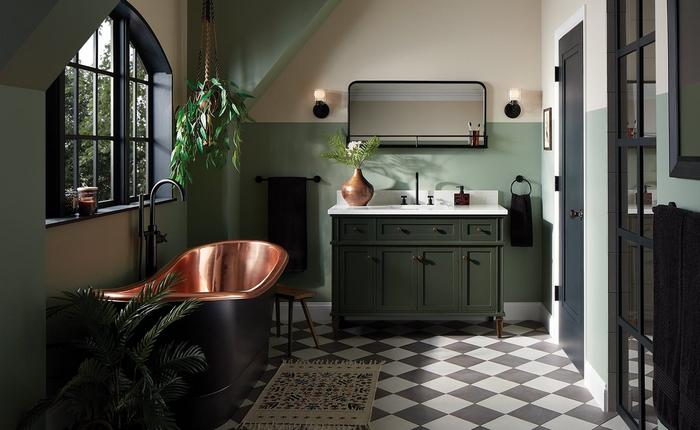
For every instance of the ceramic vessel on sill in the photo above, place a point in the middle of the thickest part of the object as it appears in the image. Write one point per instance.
(357, 191)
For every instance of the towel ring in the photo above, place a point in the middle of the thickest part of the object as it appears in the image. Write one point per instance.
(521, 178)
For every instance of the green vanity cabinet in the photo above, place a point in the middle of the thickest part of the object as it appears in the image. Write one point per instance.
(402, 267)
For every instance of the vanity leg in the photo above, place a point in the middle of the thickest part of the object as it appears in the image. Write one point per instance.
(337, 324)
(499, 327)
(277, 314)
(290, 321)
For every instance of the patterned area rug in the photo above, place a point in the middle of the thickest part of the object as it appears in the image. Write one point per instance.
(312, 395)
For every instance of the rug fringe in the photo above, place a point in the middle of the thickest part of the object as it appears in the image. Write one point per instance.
(333, 362)
(274, 426)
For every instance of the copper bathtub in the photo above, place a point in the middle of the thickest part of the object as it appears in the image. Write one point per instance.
(234, 279)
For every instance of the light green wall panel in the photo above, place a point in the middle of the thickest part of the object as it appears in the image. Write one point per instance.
(685, 192)
(292, 149)
(22, 323)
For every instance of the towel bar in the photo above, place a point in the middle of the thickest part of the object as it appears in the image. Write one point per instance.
(260, 179)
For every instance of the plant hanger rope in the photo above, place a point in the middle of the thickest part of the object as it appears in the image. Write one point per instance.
(208, 43)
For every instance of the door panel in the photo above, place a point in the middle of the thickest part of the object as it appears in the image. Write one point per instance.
(572, 111)
(439, 279)
(356, 274)
(479, 267)
(397, 286)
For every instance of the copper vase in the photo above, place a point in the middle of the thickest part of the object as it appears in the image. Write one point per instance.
(357, 191)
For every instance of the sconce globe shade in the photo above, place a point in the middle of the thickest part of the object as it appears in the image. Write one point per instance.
(514, 95)
(320, 95)
(321, 110)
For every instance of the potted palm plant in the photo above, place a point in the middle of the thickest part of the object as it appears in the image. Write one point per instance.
(129, 376)
(357, 191)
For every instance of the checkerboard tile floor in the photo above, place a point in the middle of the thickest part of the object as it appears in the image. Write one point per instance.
(454, 375)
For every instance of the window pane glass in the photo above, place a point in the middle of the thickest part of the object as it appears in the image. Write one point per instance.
(86, 102)
(131, 109)
(104, 45)
(68, 167)
(104, 170)
(649, 88)
(104, 105)
(648, 325)
(629, 217)
(629, 375)
(141, 167)
(628, 21)
(652, 420)
(628, 96)
(629, 281)
(132, 61)
(140, 69)
(86, 55)
(85, 163)
(648, 16)
(69, 96)
(649, 159)
(130, 168)
(141, 110)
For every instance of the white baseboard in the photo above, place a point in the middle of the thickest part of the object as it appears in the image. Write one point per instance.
(595, 384)
(515, 311)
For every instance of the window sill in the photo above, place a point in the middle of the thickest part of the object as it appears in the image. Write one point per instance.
(102, 212)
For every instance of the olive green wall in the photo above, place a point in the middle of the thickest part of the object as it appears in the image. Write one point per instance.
(21, 253)
(292, 149)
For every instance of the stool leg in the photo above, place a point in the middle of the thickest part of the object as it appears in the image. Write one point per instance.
(289, 327)
(309, 321)
(277, 314)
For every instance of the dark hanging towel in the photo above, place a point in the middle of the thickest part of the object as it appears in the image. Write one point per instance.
(668, 232)
(520, 217)
(689, 404)
(286, 218)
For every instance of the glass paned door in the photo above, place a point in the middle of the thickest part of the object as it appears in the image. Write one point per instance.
(634, 72)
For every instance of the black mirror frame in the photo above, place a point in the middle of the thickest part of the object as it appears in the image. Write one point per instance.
(679, 166)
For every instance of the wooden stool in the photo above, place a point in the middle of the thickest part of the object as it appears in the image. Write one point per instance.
(292, 294)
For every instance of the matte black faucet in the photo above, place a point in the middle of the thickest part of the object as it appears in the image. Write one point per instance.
(152, 235)
(417, 189)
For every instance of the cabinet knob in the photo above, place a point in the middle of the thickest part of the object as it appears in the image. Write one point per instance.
(466, 258)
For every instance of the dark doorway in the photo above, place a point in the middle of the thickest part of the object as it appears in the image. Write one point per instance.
(571, 194)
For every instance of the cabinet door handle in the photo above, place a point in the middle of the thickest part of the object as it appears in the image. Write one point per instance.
(401, 229)
(356, 229)
(437, 230)
(370, 258)
(417, 259)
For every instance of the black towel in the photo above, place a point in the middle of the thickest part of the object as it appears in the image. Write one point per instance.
(520, 220)
(286, 218)
(689, 385)
(668, 232)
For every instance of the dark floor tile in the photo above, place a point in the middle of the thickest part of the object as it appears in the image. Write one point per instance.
(378, 335)
(504, 347)
(545, 347)
(472, 394)
(509, 360)
(419, 376)
(554, 360)
(591, 414)
(517, 376)
(418, 347)
(530, 324)
(381, 393)
(334, 347)
(534, 414)
(577, 393)
(419, 360)
(565, 376)
(378, 413)
(419, 393)
(375, 347)
(418, 335)
(526, 394)
(457, 324)
(468, 376)
(477, 414)
(465, 361)
(461, 347)
(420, 414)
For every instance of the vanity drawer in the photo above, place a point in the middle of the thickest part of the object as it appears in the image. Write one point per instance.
(417, 229)
(356, 229)
(480, 230)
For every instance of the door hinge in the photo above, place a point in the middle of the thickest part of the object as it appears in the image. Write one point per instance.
(556, 293)
(557, 74)
(556, 183)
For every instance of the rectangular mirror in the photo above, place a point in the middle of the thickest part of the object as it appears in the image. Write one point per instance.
(418, 113)
(684, 88)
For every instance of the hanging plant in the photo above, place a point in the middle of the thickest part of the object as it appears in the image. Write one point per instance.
(208, 125)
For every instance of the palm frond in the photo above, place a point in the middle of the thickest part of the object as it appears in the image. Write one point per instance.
(181, 357)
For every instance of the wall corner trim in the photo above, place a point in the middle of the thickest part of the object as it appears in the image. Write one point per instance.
(595, 384)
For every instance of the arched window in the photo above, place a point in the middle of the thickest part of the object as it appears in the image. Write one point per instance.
(109, 121)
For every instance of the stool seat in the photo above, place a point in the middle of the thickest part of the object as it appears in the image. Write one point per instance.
(295, 293)
(292, 295)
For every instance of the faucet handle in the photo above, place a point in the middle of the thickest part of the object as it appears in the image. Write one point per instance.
(161, 237)
(430, 200)
(403, 200)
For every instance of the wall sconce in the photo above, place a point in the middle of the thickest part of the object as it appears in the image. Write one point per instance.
(512, 109)
(321, 109)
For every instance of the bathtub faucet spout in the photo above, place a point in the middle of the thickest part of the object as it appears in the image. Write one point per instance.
(152, 236)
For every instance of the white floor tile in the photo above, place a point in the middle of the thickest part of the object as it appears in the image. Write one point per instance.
(395, 384)
(441, 353)
(393, 404)
(444, 384)
(495, 384)
(557, 403)
(443, 368)
(352, 353)
(391, 422)
(537, 368)
(528, 353)
(502, 404)
(480, 341)
(447, 404)
(448, 422)
(484, 353)
(489, 368)
(397, 368)
(439, 341)
(397, 341)
(548, 385)
(507, 422)
(616, 423)
(568, 423)
(521, 340)
(396, 354)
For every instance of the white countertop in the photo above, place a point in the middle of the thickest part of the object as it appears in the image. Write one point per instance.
(387, 202)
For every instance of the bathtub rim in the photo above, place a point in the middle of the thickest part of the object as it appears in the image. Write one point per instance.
(126, 293)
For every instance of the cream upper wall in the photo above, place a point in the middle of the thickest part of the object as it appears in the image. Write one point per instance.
(494, 41)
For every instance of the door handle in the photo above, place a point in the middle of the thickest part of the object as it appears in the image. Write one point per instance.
(417, 259)
(573, 214)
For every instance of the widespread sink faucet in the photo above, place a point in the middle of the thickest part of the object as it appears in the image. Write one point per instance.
(417, 189)
(152, 235)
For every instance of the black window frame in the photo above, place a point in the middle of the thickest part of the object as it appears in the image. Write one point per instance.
(128, 27)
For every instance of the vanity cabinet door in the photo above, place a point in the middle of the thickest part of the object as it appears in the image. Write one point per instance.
(438, 279)
(480, 279)
(356, 274)
(396, 278)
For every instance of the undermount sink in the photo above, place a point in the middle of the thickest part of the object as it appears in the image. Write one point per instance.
(407, 207)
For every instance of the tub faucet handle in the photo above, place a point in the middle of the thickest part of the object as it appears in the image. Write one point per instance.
(161, 237)
(430, 200)
(403, 200)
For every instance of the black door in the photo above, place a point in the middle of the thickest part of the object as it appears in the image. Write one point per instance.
(571, 196)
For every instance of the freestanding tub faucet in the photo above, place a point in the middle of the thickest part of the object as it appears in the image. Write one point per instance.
(152, 236)
(417, 189)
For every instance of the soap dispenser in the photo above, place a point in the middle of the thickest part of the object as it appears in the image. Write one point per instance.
(461, 198)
